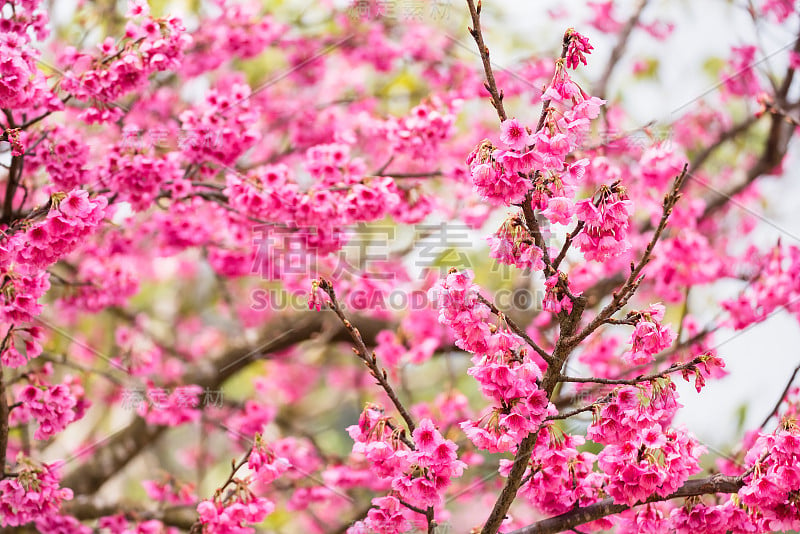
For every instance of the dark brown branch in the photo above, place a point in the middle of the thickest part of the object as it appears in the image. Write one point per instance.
(621, 297)
(780, 133)
(4, 412)
(517, 329)
(567, 243)
(631, 382)
(777, 407)
(113, 454)
(491, 84)
(366, 356)
(714, 484)
(577, 411)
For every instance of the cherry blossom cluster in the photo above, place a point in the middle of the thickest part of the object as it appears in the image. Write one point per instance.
(53, 407)
(512, 244)
(643, 455)
(234, 517)
(180, 406)
(21, 344)
(506, 374)
(137, 177)
(22, 85)
(72, 218)
(777, 284)
(649, 336)
(420, 474)
(65, 158)
(33, 493)
(606, 219)
(559, 477)
(771, 490)
(558, 295)
(150, 45)
(239, 31)
(222, 127)
(421, 132)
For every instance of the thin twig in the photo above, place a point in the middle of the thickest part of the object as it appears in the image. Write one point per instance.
(517, 329)
(621, 297)
(363, 353)
(491, 85)
(567, 243)
(774, 411)
(638, 380)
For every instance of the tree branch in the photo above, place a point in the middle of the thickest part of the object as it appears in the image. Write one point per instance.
(491, 84)
(621, 297)
(364, 353)
(714, 484)
(114, 453)
(517, 329)
(774, 411)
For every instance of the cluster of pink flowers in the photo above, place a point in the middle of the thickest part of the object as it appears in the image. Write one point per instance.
(556, 298)
(119, 524)
(222, 127)
(740, 77)
(64, 524)
(419, 475)
(34, 493)
(110, 280)
(436, 458)
(170, 492)
(23, 344)
(22, 85)
(345, 196)
(709, 366)
(659, 461)
(642, 454)
(560, 477)
(780, 9)
(420, 133)
(607, 220)
(71, 219)
(263, 461)
(171, 408)
(578, 46)
(239, 31)
(536, 162)
(20, 296)
(491, 179)
(234, 517)
(64, 157)
(649, 336)
(772, 487)
(53, 407)
(660, 164)
(505, 373)
(333, 165)
(415, 342)
(149, 46)
(777, 284)
(460, 310)
(137, 177)
(387, 517)
(512, 244)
